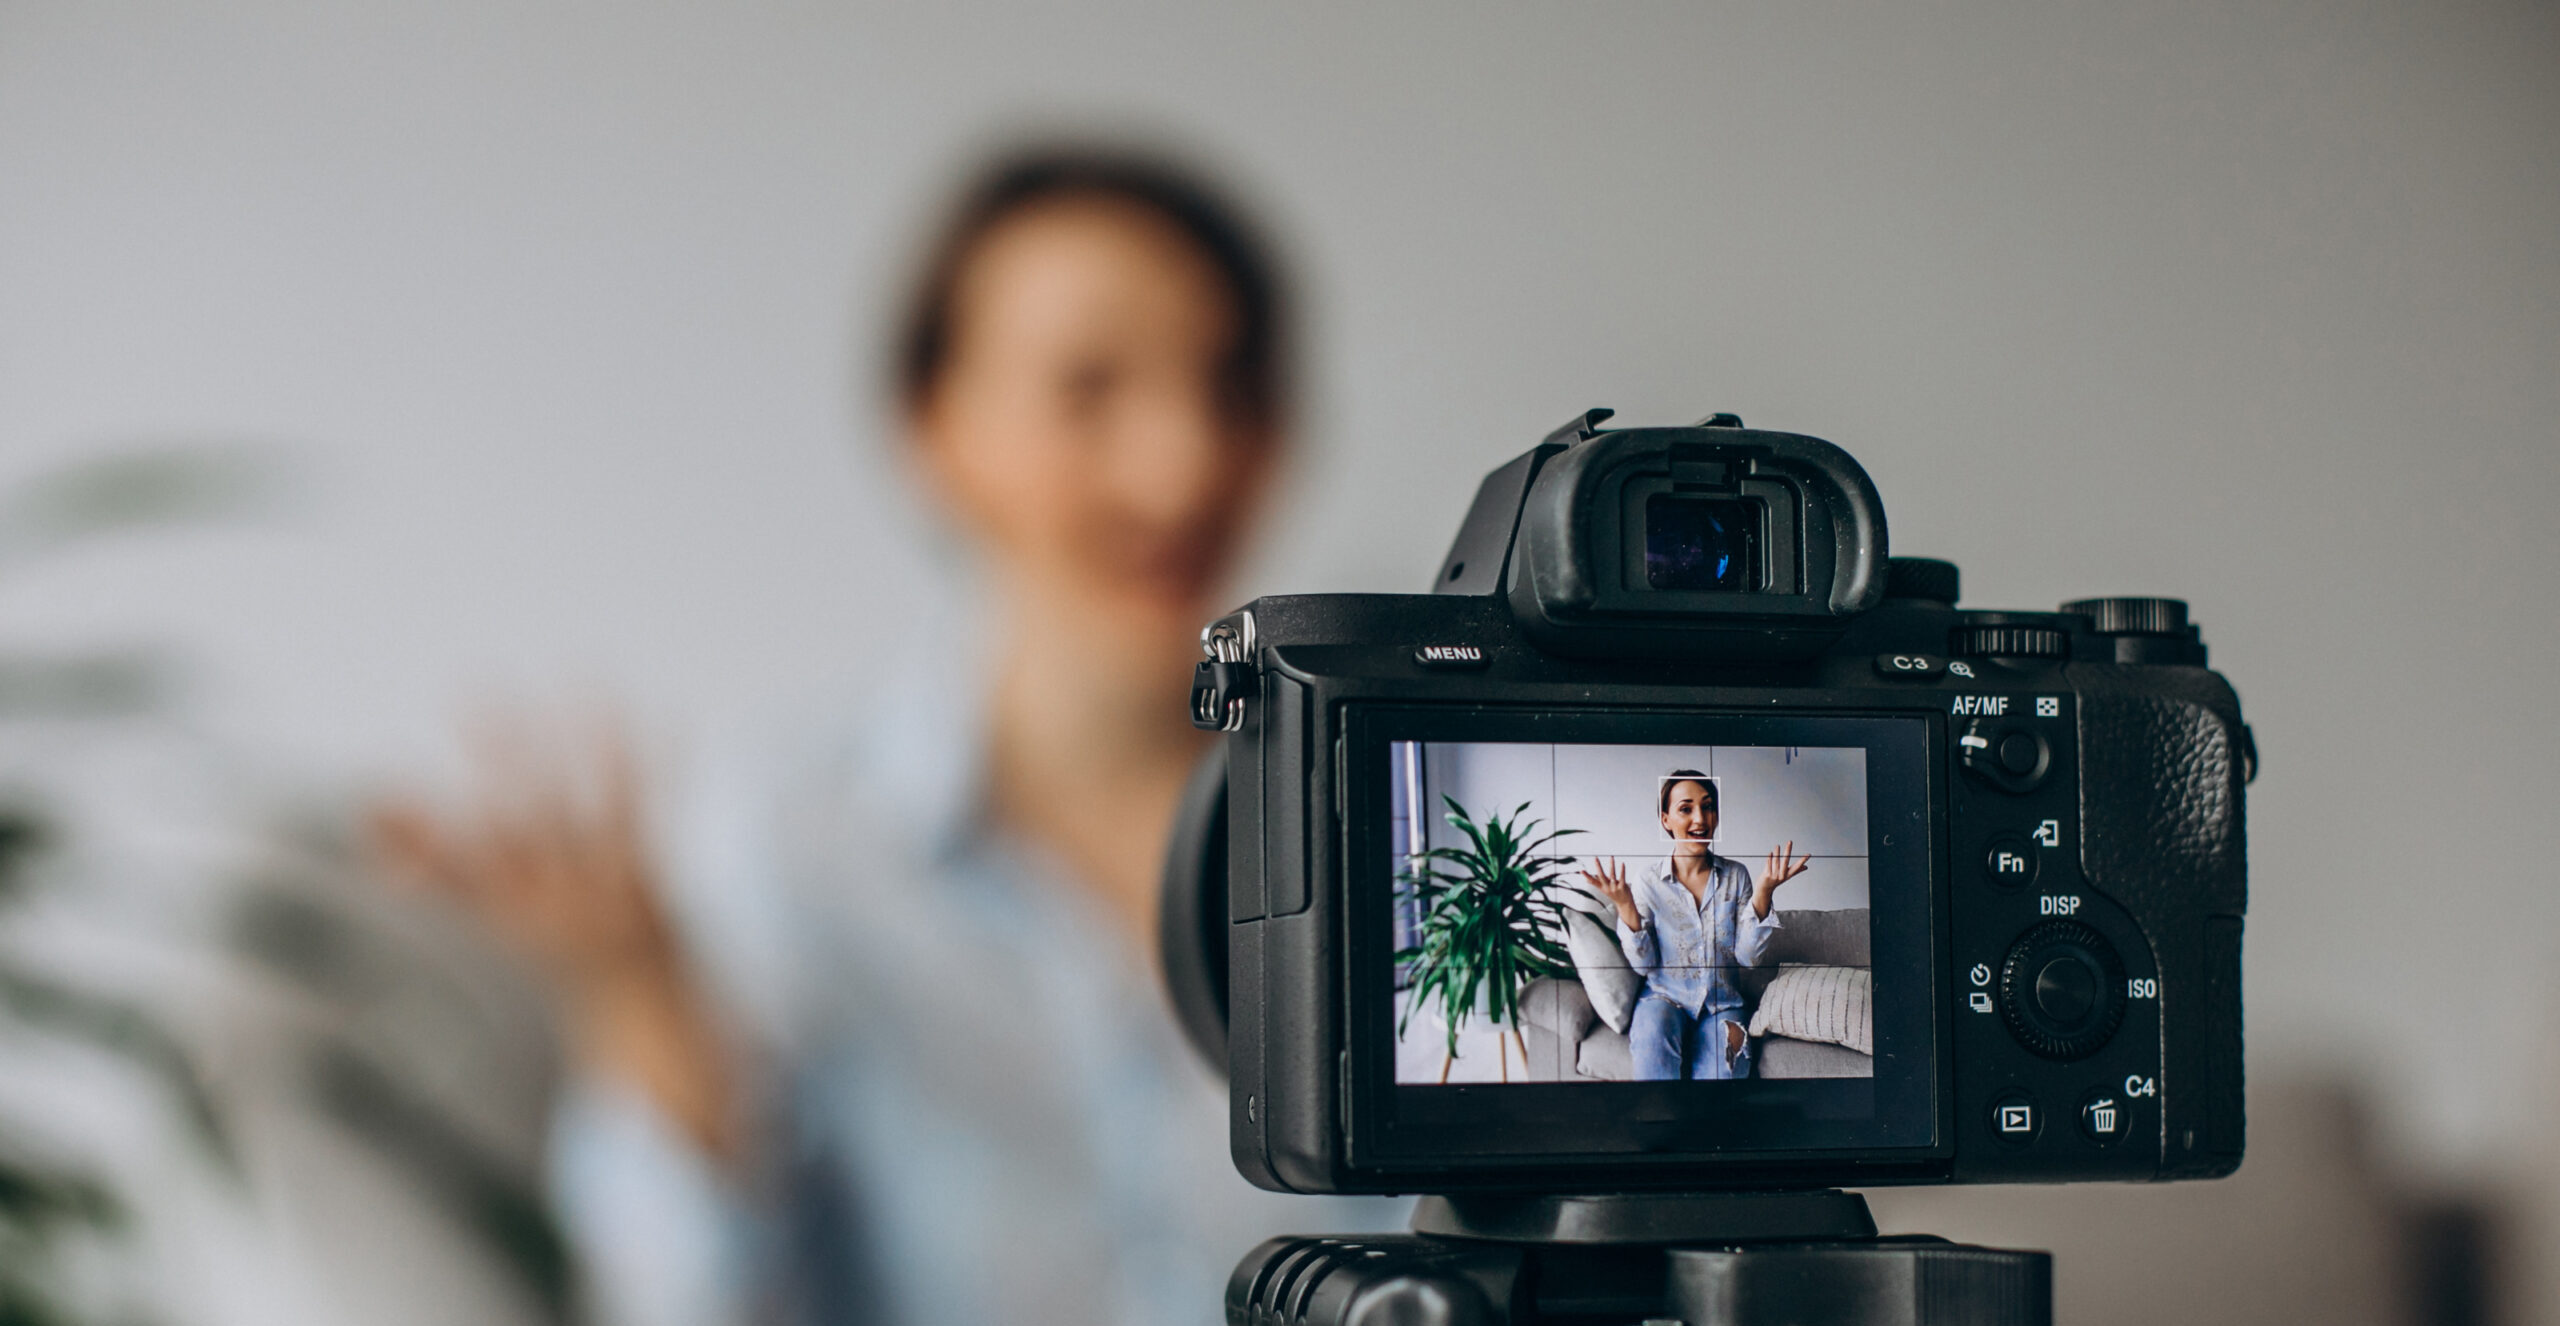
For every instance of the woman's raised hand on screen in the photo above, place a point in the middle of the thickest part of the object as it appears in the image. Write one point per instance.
(554, 860)
(1784, 865)
(1610, 882)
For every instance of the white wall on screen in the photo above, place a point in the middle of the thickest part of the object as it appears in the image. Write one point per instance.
(1814, 796)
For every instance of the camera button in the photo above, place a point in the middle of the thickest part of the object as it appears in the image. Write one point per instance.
(2014, 1118)
(2011, 862)
(2105, 1116)
(2013, 759)
(2062, 990)
(2067, 989)
(1917, 667)
(1445, 656)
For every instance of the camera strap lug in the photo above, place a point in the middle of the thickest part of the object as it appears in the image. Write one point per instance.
(1221, 682)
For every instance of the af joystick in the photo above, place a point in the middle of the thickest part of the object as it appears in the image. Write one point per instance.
(2014, 759)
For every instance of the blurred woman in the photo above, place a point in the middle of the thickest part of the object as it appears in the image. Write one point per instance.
(909, 1061)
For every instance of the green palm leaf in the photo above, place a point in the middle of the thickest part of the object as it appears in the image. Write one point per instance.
(1489, 920)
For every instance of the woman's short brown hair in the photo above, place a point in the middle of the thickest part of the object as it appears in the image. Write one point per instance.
(1027, 177)
(1662, 801)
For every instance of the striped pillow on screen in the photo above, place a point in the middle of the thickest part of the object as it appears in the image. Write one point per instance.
(1833, 1005)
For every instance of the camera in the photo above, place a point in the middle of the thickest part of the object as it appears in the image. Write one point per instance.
(1684, 841)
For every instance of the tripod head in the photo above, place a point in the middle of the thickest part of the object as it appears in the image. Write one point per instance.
(1714, 1259)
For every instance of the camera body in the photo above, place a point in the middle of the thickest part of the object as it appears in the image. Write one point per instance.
(1920, 894)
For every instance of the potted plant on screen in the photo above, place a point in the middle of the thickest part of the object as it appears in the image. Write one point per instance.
(1488, 926)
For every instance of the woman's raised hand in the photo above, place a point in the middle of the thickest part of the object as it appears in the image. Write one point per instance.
(1610, 882)
(1784, 865)
(554, 860)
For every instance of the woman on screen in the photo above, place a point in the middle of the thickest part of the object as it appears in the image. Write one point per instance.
(1687, 923)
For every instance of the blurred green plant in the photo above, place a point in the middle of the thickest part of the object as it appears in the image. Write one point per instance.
(1488, 926)
(50, 1214)
(42, 1212)
(137, 489)
(49, 1209)
(141, 489)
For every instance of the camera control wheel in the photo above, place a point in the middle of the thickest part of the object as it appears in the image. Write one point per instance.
(2005, 640)
(2062, 990)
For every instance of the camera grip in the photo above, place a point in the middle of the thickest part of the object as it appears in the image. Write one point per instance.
(2163, 832)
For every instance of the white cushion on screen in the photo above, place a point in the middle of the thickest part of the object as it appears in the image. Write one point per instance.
(1834, 1005)
(1602, 965)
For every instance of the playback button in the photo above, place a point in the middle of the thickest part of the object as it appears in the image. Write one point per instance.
(2015, 1118)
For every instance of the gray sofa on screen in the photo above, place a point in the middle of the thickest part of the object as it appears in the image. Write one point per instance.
(1566, 1039)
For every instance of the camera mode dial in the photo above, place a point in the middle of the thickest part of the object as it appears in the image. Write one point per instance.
(2062, 990)
(2132, 616)
(2143, 630)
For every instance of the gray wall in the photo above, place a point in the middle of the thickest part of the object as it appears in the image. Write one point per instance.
(2257, 305)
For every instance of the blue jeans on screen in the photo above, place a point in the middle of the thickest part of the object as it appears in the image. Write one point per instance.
(1666, 1038)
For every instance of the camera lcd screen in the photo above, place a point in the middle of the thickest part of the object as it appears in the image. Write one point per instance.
(1713, 937)
(1709, 903)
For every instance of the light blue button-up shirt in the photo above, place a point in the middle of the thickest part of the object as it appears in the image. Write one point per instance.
(1689, 947)
(988, 1114)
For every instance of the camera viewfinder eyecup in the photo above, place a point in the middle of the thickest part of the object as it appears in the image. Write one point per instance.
(1717, 542)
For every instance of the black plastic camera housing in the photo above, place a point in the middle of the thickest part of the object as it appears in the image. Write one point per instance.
(2058, 870)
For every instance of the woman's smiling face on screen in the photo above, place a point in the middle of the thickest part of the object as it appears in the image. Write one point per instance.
(1690, 816)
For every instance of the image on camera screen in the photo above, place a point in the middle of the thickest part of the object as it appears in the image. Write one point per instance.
(1623, 913)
